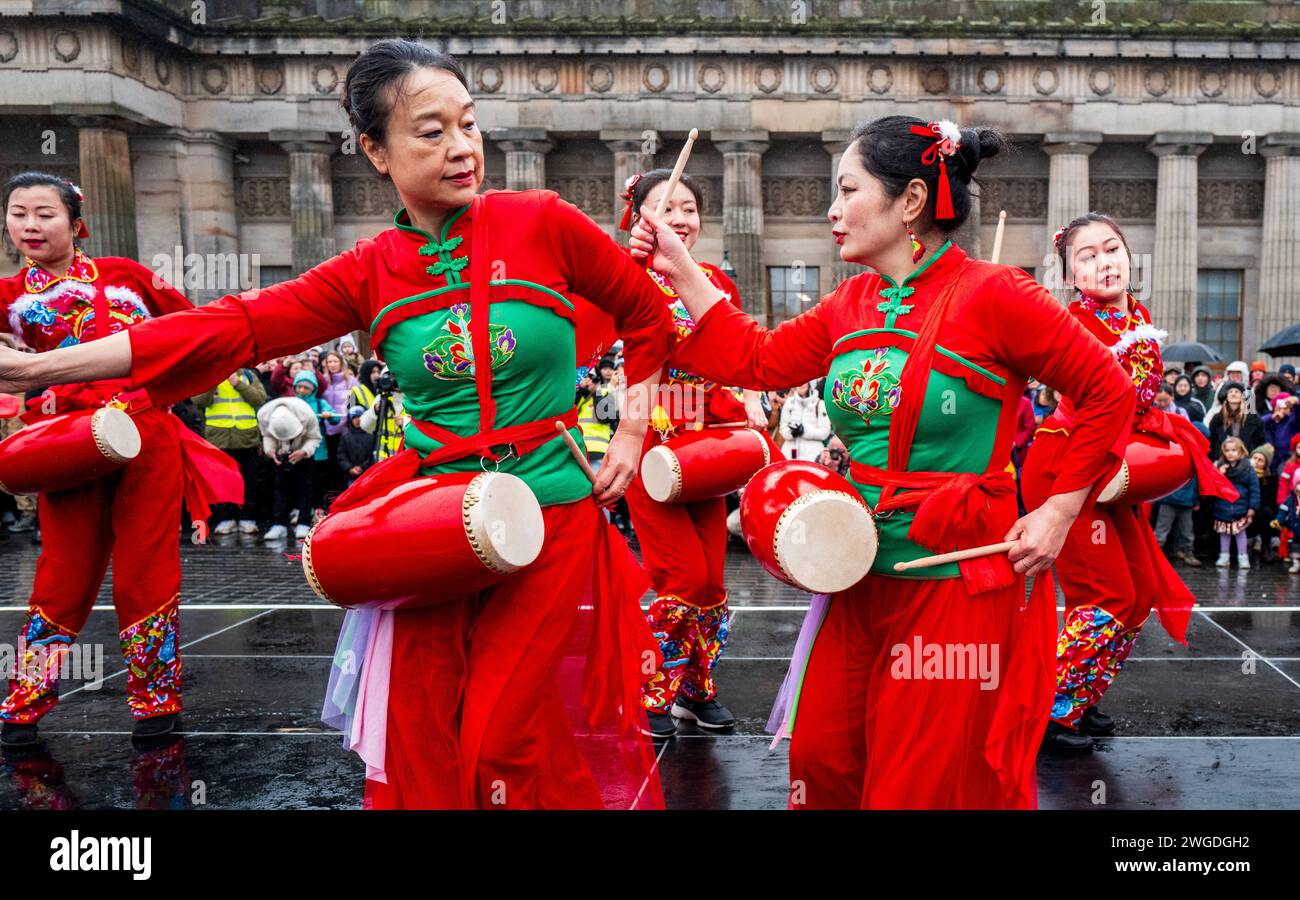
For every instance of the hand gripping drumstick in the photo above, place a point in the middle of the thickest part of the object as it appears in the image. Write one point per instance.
(677, 172)
(997, 237)
(926, 562)
(576, 451)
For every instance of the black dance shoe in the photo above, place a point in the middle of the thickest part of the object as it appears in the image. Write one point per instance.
(1058, 737)
(1096, 722)
(705, 713)
(16, 736)
(155, 727)
(661, 727)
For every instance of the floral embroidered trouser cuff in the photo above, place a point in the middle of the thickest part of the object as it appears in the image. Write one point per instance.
(43, 646)
(691, 640)
(151, 651)
(1090, 651)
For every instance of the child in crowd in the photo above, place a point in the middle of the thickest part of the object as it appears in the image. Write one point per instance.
(1233, 517)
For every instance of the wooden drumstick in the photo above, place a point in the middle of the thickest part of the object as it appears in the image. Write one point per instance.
(926, 562)
(576, 451)
(997, 236)
(677, 172)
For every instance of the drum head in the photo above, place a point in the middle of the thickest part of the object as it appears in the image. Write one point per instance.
(826, 542)
(505, 524)
(661, 474)
(116, 434)
(1117, 486)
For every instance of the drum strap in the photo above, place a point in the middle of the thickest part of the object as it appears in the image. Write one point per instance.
(480, 308)
(521, 439)
(913, 381)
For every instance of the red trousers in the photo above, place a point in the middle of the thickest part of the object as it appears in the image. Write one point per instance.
(880, 725)
(130, 517)
(490, 702)
(1112, 573)
(683, 546)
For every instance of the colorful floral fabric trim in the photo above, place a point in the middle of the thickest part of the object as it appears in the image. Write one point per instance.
(151, 649)
(1090, 651)
(869, 391)
(691, 641)
(34, 687)
(451, 355)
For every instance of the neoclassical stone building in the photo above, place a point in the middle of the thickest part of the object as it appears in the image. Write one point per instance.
(210, 144)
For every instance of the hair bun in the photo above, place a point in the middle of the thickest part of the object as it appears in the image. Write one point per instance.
(977, 144)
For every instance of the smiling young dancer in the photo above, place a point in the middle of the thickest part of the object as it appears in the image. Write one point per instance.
(684, 545)
(1112, 569)
(61, 297)
(525, 695)
(925, 366)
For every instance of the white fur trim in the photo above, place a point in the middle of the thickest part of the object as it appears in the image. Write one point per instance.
(123, 294)
(949, 131)
(1143, 332)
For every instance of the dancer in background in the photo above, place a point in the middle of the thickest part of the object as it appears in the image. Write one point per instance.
(684, 545)
(1112, 569)
(62, 298)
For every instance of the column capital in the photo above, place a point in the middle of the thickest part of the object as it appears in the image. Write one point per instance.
(303, 141)
(835, 140)
(1179, 143)
(1075, 142)
(1280, 144)
(740, 141)
(625, 139)
(536, 140)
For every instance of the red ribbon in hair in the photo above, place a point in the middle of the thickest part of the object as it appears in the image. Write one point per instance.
(942, 147)
(625, 224)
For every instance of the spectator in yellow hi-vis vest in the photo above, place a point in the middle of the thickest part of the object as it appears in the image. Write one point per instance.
(230, 424)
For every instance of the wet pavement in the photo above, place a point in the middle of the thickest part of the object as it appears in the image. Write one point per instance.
(1216, 725)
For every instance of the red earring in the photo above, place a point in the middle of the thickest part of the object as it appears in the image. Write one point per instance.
(918, 248)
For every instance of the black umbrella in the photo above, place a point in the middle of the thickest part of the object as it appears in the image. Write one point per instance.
(1285, 343)
(1189, 351)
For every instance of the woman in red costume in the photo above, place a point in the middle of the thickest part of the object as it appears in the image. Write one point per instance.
(524, 695)
(684, 546)
(63, 298)
(925, 363)
(1112, 569)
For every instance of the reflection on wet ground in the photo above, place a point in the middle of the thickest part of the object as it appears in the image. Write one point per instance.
(1216, 725)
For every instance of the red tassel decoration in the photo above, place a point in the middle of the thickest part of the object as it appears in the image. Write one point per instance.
(943, 205)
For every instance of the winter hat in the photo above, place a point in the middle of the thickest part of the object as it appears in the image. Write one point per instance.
(355, 411)
(283, 424)
(306, 375)
(1236, 366)
(1287, 369)
(1258, 365)
(1265, 450)
(1231, 386)
(1295, 441)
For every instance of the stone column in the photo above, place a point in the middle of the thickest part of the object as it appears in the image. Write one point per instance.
(525, 150)
(742, 214)
(311, 196)
(106, 182)
(156, 162)
(1173, 268)
(212, 234)
(835, 142)
(1067, 190)
(1279, 265)
(629, 158)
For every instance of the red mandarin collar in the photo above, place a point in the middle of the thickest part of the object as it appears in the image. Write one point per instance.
(38, 279)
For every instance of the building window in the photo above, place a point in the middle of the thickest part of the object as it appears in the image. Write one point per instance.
(272, 275)
(1218, 310)
(790, 291)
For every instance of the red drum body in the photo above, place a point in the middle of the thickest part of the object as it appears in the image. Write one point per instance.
(1153, 467)
(67, 451)
(702, 465)
(430, 540)
(808, 527)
